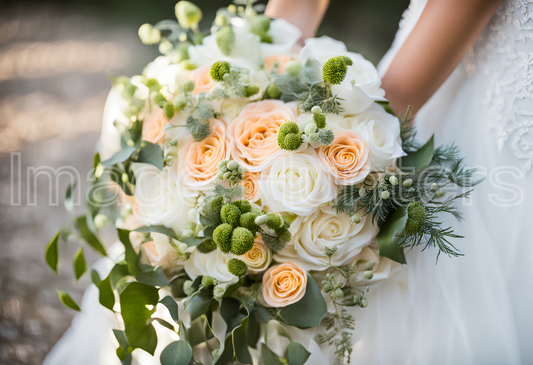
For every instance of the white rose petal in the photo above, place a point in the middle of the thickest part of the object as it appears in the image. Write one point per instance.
(214, 264)
(159, 251)
(382, 132)
(258, 259)
(158, 198)
(326, 228)
(296, 183)
(284, 37)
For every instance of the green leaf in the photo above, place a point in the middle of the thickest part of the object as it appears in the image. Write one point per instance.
(132, 259)
(206, 222)
(120, 156)
(199, 304)
(308, 311)
(69, 204)
(269, 357)
(67, 300)
(80, 265)
(106, 295)
(157, 229)
(156, 277)
(297, 354)
(96, 160)
(240, 342)
(138, 302)
(218, 328)
(176, 353)
(52, 252)
(115, 174)
(418, 160)
(172, 307)
(151, 153)
(253, 331)
(388, 238)
(88, 235)
(117, 274)
(95, 278)
(122, 350)
(195, 241)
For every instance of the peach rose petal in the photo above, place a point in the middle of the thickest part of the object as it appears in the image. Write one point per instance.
(284, 284)
(270, 61)
(251, 183)
(202, 80)
(254, 133)
(198, 160)
(154, 126)
(346, 158)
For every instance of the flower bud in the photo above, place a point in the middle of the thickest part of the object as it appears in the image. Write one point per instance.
(356, 218)
(370, 265)
(187, 86)
(225, 37)
(233, 165)
(293, 67)
(241, 170)
(327, 288)
(310, 128)
(439, 193)
(369, 275)
(165, 46)
(363, 303)
(313, 137)
(188, 14)
(407, 183)
(188, 288)
(362, 192)
(433, 186)
(393, 180)
(218, 292)
(181, 102)
(385, 195)
(226, 175)
(239, 190)
(262, 219)
(222, 164)
(330, 250)
(149, 35)
(100, 221)
(316, 110)
(339, 293)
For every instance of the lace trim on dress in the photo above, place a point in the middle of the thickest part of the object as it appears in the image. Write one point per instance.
(504, 55)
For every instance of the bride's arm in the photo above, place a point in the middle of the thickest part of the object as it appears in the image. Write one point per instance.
(443, 35)
(305, 14)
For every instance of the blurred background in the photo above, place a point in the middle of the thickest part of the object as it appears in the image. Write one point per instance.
(55, 56)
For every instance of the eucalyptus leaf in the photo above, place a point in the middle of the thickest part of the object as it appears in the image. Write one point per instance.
(240, 342)
(199, 304)
(253, 331)
(122, 350)
(106, 295)
(388, 238)
(80, 265)
(138, 302)
(151, 153)
(95, 278)
(115, 174)
(172, 307)
(418, 160)
(120, 156)
(156, 277)
(205, 221)
(132, 259)
(157, 229)
(176, 353)
(52, 252)
(96, 160)
(194, 241)
(67, 300)
(269, 357)
(297, 354)
(69, 204)
(308, 311)
(88, 235)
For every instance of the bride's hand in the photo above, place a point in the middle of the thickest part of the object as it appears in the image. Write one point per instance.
(445, 32)
(305, 14)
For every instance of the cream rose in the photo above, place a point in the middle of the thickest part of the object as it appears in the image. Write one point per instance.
(214, 264)
(251, 183)
(154, 126)
(158, 199)
(296, 183)
(202, 80)
(198, 160)
(381, 130)
(284, 284)
(258, 258)
(346, 158)
(281, 60)
(284, 37)
(254, 133)
(356, 97)
(159, 251)
(326, 228)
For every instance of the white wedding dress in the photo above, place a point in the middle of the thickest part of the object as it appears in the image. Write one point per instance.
(476, 309)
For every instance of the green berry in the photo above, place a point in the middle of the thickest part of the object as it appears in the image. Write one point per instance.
(286, 223)
(251, 90)
(334, 70)
(262, 219)
(247, 220)
(416, 214)
(316, 110)
(273, 92)
(187, 86)
(275, 221)
(206, 246)
(310, 128)
(320, 120)
(218, 70)
(327, 288)
(293, 67)
(222, 237)
(407, 183)
(285, 129)
(149, 35)
(159, 99)
(370, 265)
(284, 236)
(222, 164)
(188, 14)
(242, 241)
(244, 205)
(237, 267)
(260, 24)
(385, 195)
(181, 101)
(369, 275)
(225, 37)
(168, 109)
(339, 293)
(326, 136)
(188, 288)
(208, 281)
(233, 165)
(230, 214)
(212, 209)
(439, 193)
(292, 142)
(393, 180)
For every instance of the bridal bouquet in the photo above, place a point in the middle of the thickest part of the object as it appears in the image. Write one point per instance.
(262, 192)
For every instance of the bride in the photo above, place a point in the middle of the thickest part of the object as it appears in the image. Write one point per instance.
(469, 65)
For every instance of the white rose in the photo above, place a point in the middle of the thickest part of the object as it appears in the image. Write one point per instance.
(296, 183)
(326, 228)
(158, 199)
(258, 258)
(214, 264)
(164, 71)
(159, 251)
(284, 37)
(110, 137)
(246, 51)
(382, 132)
(367, 83)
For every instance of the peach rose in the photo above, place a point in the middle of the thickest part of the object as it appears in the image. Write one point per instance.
(346, 158)
(154, 126)
(284, 284)
(251, 183)
(198, 160)
(254, 133)
(202, 80)
(270, 61)
(258, 258)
